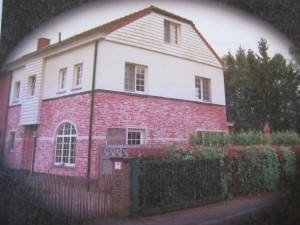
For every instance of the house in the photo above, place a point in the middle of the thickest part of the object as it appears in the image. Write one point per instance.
(146, 78)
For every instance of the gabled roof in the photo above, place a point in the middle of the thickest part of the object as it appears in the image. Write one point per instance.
(115, 25)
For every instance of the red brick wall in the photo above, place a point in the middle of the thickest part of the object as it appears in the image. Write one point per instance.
(4, 96)
(75, 110)
(173, 120)
(13, 158)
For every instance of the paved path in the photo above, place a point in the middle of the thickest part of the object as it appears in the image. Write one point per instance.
(215, 214)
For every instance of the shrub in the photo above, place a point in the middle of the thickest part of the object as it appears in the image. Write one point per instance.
(254, 169)
(247, 138)
(285, 138)
(287, 161)
(178, 152)
(208, 139)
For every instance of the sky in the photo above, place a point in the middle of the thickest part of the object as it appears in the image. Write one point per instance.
(224, 27)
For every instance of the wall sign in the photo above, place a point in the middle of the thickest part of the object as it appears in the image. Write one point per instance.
(118, 165)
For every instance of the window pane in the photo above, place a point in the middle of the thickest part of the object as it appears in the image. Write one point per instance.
(206, 89)
(129, 77)
(134, 138)
(198, 87)
(173, 34)
(140, 78)
(12, 140)
(65, 144)
(78, 75)
(167, 31)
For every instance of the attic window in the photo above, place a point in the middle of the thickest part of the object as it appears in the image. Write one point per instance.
(171, 32)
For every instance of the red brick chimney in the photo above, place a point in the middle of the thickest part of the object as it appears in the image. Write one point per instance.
(42, 42)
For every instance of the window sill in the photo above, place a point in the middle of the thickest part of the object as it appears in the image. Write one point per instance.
(15, 101)
(76, 88)
(61, 92)
(63, 165)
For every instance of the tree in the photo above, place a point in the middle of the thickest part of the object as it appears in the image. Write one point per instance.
(261, 89)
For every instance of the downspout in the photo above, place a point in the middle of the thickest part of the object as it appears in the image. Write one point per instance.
(5, 124)
(92, 113)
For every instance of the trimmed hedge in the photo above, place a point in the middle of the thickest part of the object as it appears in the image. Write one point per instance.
(285, 138)
(245, 169)
(254, 169)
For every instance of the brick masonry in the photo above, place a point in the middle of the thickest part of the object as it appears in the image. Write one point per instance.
(172, 120)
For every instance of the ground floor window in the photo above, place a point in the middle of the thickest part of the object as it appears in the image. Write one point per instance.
(135, 137)
(65, 145)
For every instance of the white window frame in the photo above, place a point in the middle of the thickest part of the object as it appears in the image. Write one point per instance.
(67, 140)
(17, 91)
(31, 85)
(136, 80)
(78, 75)
(62, 80)
(172, 33)
(11, 140)
(203, 89)
(141, 132)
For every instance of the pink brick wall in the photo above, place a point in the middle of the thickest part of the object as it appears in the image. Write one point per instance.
(12, 159)
(173, 120)
(4, 95)
(74, 109)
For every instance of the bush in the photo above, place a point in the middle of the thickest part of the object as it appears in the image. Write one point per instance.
(178, 153)
(285, 138)
(16, 206)
(208, 139)
(248, 138)
(253, 169)
(287, 161)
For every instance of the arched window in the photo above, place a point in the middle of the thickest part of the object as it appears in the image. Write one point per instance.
(65, 145)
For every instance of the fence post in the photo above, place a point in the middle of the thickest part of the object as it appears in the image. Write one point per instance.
(121, 186)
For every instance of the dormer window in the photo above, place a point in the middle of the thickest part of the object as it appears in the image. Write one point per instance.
(171, 32)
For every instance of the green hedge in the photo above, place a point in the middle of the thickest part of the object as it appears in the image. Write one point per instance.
(285, 138)
(248, 138)
(253, 169)
(245, 169)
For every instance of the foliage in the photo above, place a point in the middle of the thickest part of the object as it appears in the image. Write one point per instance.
(179, 153)
(261, 89)
(208, 139)
(16, 206)
(247, 138)
(285, 138)
(254, 169)
(287, 161)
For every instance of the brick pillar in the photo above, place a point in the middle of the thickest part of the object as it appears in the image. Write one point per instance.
(121, 186)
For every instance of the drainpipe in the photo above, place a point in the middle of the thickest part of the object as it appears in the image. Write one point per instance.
(92, 114)
(5, 124)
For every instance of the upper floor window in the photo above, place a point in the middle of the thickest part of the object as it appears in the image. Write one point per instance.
(171, 32)
(31, 85)
(203, 89)
(78, 69)
(65, 145)
(11, 140)
(17, 91)
(135, 78)
(62, 80)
